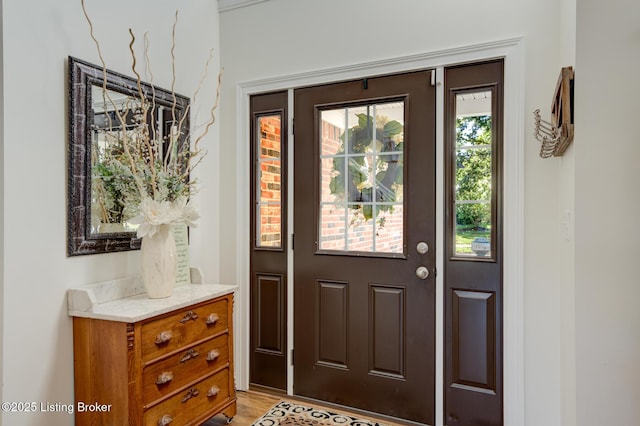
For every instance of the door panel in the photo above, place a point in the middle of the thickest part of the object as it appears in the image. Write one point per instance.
(333, 324)
(473, 245)
(387, 331)
(364, 196)
(269, 313)
(269, 243)
(473, 330)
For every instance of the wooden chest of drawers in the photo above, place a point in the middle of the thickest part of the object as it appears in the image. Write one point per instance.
(170, 369)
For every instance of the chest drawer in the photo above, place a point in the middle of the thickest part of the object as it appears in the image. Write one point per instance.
(172, 365)
(201, 397)
(163, 377)
(186, 326)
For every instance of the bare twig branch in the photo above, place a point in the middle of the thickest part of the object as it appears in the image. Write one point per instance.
(168, 155)
(145, 109)
(122, 119)
(161, 175)
(196, 152)
(195, 94)
(153, 87)
(212, 115)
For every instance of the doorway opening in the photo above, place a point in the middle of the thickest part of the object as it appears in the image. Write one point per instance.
(509, 269)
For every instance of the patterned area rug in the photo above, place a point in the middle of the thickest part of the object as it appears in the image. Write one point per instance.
(290, 414)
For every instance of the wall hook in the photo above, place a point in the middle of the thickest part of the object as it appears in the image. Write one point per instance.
(547, 134)
(556, 135)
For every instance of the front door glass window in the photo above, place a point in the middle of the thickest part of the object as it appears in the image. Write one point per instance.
(361, 179)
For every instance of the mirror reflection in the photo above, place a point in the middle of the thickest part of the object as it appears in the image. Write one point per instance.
(109, 181)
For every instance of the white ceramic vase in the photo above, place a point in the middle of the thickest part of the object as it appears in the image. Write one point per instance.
(158, 263)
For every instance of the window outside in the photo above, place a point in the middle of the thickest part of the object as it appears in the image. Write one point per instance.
(269, 180)
(473, 174)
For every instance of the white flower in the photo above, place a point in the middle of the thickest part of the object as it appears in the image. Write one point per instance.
(189, 214)
(154, 214)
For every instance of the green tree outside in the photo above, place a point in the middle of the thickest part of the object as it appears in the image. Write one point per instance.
(473, 180)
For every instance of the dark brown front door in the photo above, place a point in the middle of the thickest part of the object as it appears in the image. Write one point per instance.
(364, 247)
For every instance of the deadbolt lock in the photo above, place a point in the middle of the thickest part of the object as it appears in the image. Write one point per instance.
(422, 247)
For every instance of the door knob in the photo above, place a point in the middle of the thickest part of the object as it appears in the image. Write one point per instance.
(422, 272)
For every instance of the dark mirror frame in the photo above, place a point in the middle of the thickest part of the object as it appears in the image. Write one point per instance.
(82, 76)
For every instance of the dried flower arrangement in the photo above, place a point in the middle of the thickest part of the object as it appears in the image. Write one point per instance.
(153, 169)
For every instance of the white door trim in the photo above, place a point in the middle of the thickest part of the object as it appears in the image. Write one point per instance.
(512, 50)
(439, 331)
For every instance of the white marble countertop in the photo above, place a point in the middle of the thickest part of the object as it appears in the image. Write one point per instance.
(124, 300)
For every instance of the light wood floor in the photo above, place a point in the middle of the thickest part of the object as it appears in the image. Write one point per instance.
(253, 404)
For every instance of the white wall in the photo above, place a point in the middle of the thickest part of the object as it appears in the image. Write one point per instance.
(566, 235)
(37, 37)
(283, 37)
(607, 151)
(1, 202)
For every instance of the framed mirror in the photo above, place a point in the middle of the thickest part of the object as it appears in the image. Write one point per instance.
(102, 105)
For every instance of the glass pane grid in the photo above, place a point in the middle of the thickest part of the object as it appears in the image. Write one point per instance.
(361, 200)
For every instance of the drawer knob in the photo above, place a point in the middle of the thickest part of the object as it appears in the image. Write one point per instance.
(163, 337)
(190, 354)
(213, 391)
(165, 420)
(212, 319)
(191, 393)
(164, 378)
(189, 316)
(213, 355)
